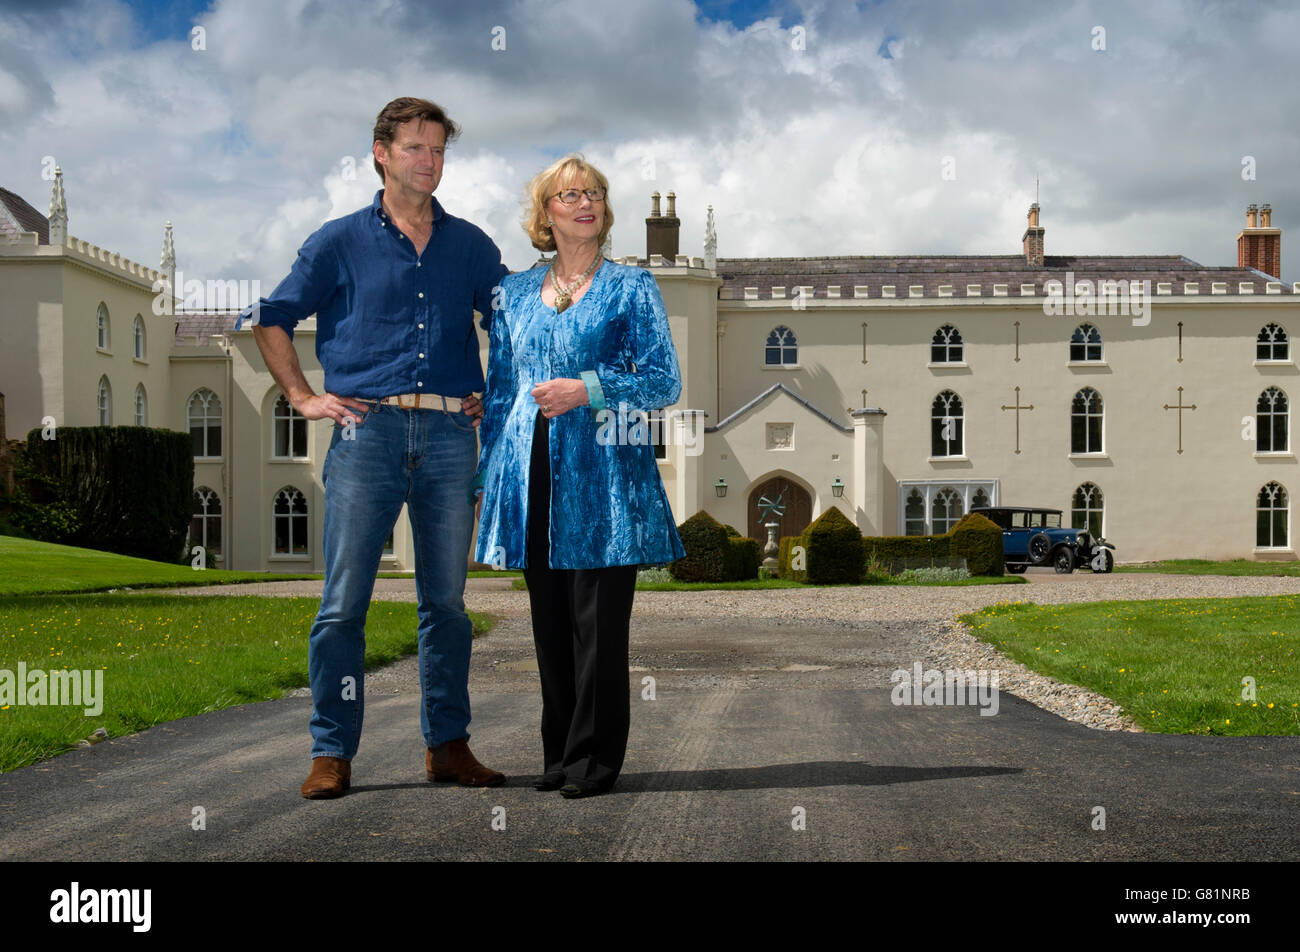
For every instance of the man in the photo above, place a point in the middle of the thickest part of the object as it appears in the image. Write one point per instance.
(393, 287)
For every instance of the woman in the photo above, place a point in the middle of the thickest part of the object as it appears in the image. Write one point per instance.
(575, 343)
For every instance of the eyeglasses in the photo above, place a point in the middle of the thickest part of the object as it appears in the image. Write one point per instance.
(570, 196)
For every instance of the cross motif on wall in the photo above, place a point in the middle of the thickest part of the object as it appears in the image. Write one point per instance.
(1017, 407)
(1180, 407)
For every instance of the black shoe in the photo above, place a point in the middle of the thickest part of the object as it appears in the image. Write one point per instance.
(577, 789)
(552, 780)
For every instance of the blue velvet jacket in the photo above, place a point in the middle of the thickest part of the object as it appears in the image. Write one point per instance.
(608, 505)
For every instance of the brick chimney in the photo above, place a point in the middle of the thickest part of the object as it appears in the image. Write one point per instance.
(1033, 239)
(1259, 244)
(662, 231)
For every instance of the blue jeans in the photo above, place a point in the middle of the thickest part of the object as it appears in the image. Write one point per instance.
(426, 459)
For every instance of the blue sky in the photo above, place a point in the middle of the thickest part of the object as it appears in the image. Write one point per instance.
(162, 22)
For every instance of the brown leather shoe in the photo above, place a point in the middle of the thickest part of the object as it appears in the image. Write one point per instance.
(453, 761)
(330, 777)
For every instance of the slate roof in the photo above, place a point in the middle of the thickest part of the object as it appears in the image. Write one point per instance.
(204, 324)
(930, 272)
(28, 218)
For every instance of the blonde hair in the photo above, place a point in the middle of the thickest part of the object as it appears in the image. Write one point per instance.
(572, 170)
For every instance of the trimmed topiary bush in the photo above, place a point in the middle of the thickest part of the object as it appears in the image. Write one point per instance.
(978, 540)
(835, 553)
(705, 541)
(714, 552)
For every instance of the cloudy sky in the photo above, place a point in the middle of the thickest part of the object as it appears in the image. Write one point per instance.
(810, 127)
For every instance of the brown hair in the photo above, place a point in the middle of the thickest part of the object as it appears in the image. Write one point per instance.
(570, 170)
(403, 110)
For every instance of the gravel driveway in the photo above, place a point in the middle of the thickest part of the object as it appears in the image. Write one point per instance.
(761, 633)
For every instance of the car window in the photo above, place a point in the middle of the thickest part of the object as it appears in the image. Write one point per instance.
(1053, 520)
(1019, 520)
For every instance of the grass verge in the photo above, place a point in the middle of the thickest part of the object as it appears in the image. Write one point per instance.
(165, 657)
(1207, 567)
(1176, 666)
(28, 567)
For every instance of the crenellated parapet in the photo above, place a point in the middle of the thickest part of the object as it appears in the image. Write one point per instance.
(84, 250)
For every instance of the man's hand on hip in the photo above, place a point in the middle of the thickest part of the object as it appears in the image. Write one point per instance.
(338, 409)
(473, 408)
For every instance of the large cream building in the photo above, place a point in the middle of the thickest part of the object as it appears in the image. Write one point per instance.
(903, 389)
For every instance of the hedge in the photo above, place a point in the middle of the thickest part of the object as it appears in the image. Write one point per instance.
(123, 489)
(974, 542)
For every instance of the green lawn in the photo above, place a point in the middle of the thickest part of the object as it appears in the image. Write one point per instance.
(28, 567)
(1176, 666)
(166, 657)
(1207, 567)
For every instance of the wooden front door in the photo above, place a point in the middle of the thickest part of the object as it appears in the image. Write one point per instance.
(798, 509)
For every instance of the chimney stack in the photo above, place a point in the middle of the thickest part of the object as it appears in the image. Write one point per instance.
(1033, 239)
(662, 231)
(1259, 245)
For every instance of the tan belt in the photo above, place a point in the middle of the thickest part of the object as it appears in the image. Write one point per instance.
(422, 401)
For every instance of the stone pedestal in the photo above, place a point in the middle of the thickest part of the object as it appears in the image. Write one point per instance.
(773, 548)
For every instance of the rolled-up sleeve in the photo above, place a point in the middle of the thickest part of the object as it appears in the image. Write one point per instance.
(311, 282)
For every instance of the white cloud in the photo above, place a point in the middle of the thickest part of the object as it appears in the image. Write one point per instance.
(830, 149)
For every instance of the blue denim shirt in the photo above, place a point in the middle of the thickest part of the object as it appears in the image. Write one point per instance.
(388, 322)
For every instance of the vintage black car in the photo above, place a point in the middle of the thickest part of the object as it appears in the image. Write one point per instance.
(1034, 536)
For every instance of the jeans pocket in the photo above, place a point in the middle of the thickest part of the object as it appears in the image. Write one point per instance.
(358, 417)
(461, 421)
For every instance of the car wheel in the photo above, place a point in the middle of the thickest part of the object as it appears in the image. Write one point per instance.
(1017, 569)
(1064, 561)
(1040, 548)
(1103, 561)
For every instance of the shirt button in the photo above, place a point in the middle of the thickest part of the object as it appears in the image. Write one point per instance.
(421, 327)
(417, 264)
(421, 294)
(419, 383)
(422, 356)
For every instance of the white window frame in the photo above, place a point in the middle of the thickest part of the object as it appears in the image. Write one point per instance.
(287, 419)
(206, 420)
(1285, 508)
(104, 402)
(929, 488)
(289, 493)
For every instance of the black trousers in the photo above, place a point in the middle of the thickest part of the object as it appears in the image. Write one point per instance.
(580, 629)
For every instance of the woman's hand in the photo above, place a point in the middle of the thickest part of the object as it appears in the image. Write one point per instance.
(559, 396)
